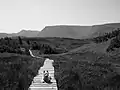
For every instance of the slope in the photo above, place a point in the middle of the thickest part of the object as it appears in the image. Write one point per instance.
(28, 33)
(98, 30)
(65, 31)
(24, 33)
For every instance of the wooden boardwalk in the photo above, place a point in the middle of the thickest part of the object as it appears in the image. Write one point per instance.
(37, 83)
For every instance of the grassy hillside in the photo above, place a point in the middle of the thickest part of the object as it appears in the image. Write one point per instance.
(98, 30)
(41, 45)
(56, 45)
(91, 66)
(17, 68)
(17, 71)
(85, 71)
(86, 64)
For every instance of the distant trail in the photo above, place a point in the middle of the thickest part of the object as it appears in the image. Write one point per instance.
(37, 81)
(33, 55)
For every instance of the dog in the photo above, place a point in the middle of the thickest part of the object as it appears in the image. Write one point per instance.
(44, 70)
(46, 78)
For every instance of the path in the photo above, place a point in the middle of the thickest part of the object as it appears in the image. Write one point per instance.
(37, 81)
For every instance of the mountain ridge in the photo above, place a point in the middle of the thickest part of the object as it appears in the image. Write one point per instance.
(67, 31)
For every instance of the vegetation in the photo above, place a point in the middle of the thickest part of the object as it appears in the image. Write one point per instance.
(17, 68)
(54, 45)
(18, 71)
(20, 40)
(73, 73)
(115, 43)
(90, 70)
(81, 69)
(44, 48)
(114, 36)
(107, 36)
(44, 45)
(12, 45)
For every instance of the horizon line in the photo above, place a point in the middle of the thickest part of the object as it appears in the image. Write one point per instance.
(60, 25)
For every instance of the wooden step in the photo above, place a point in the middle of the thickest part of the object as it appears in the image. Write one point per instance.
(40, 77)
(52, 84)
(43, 88)
(39, 81)
(43, 85)
(49, 69)
(50, 72)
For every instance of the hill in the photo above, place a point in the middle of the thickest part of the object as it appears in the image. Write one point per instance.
(27, 33)
(67, 31)
(3, 35)
(24, 33)
(91, 64)
(98, 30)
(77, 32)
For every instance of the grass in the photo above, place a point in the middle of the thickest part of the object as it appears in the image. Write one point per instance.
(63, 43)
(17, 71)
(86, 66)
(85, 71)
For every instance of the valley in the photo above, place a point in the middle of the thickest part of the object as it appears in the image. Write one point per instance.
(79, 64)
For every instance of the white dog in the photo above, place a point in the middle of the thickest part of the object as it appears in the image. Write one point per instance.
(46, 67)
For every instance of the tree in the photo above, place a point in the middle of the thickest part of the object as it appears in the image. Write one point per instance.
(28, 42)
(20, 40)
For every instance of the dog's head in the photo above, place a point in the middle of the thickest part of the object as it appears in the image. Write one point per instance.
(45, 72)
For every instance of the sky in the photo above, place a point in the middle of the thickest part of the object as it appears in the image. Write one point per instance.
(16, 15)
